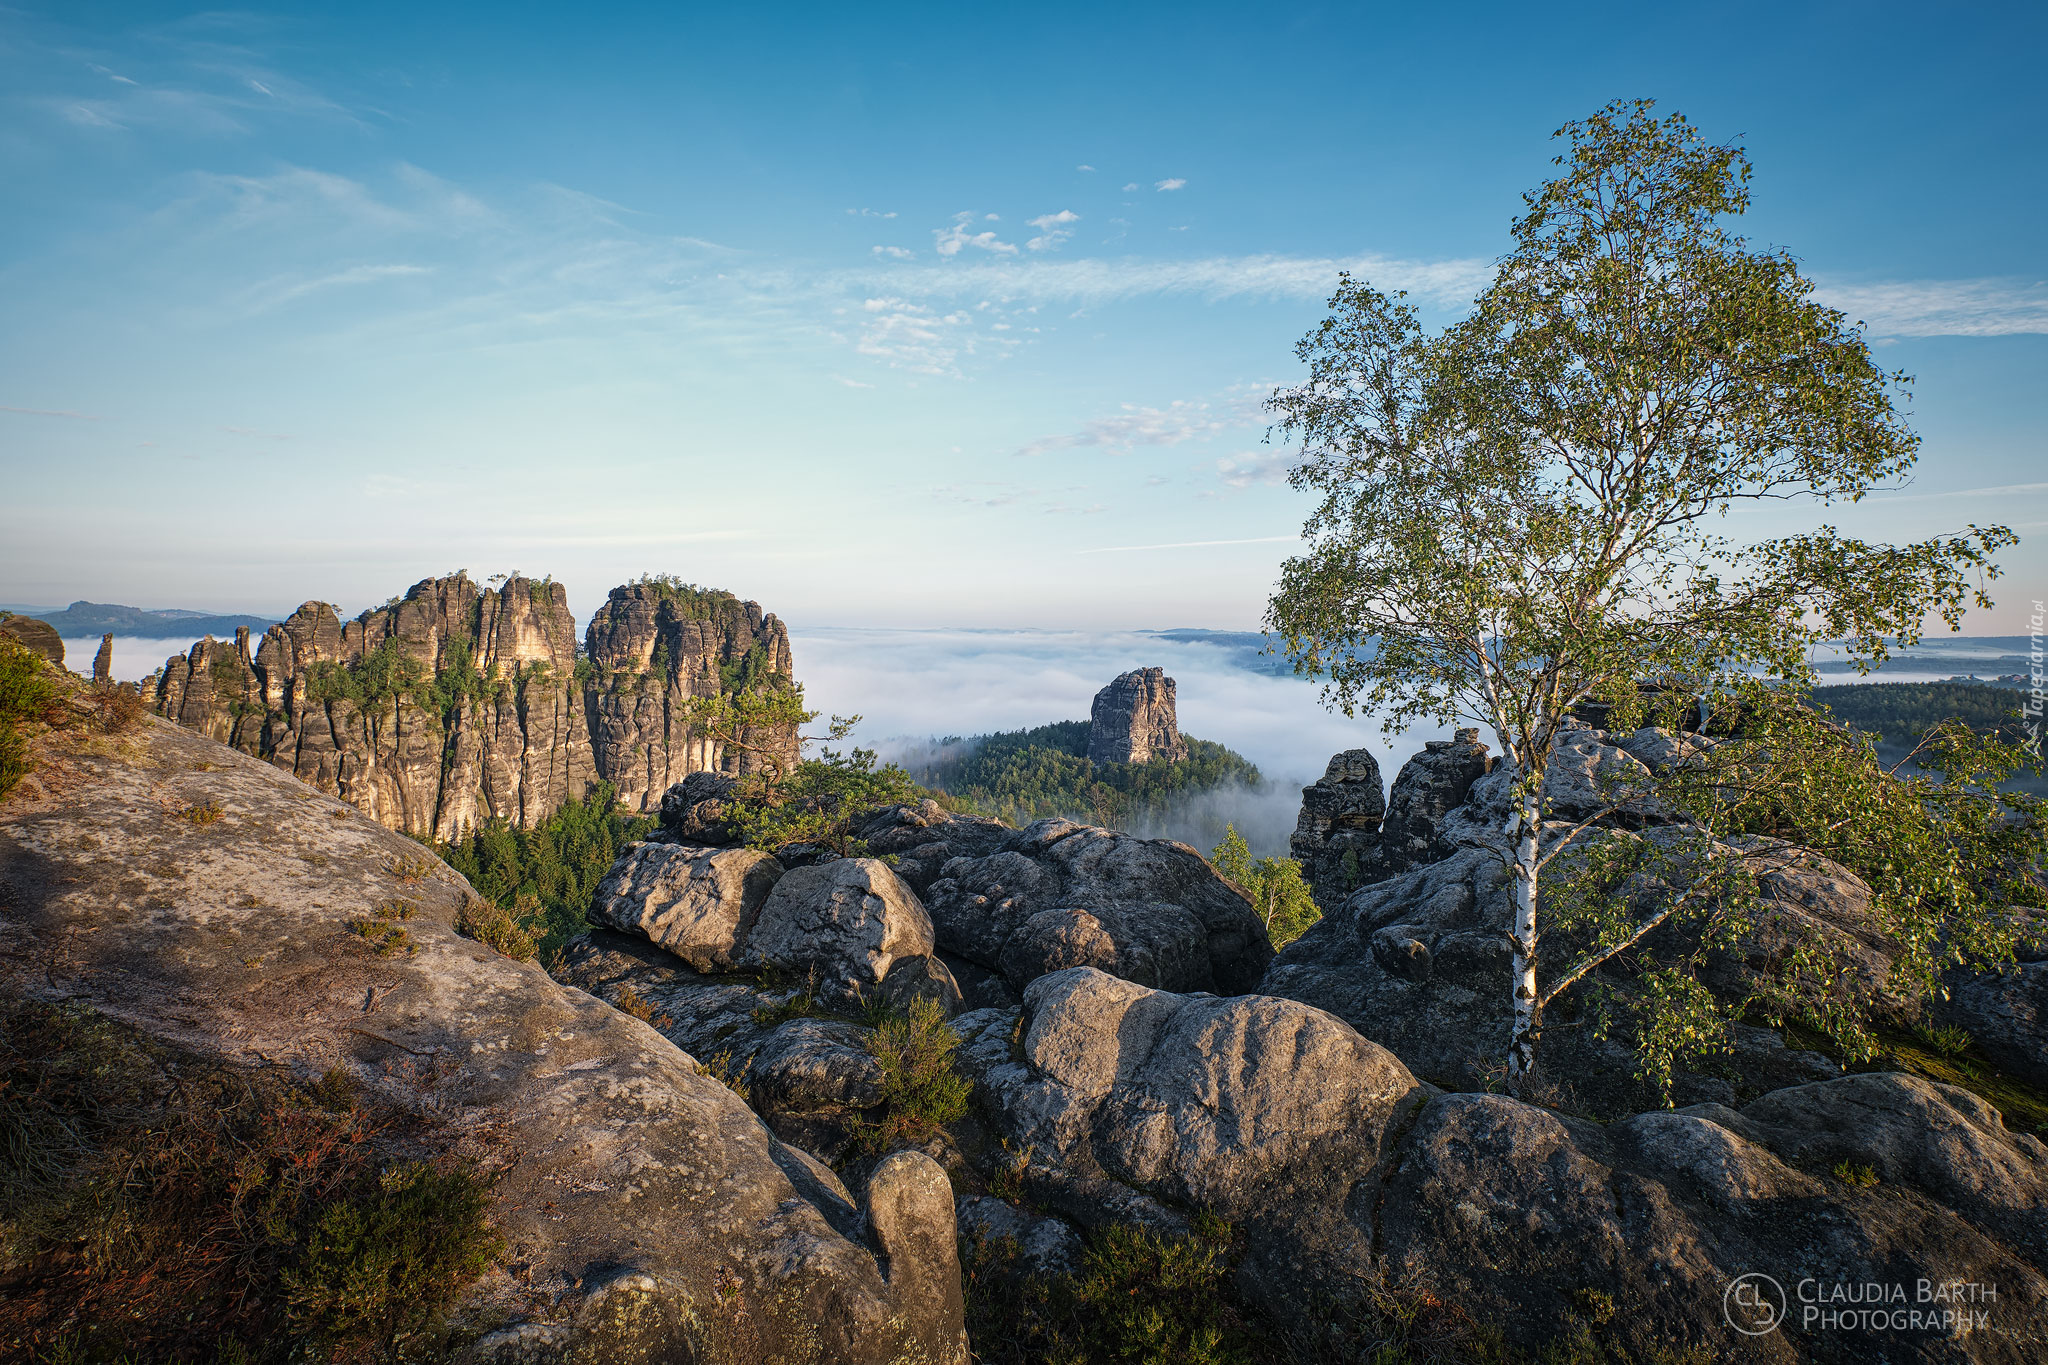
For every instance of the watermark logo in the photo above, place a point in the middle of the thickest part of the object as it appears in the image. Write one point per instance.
(1753, 1304)
(2037, 677)
(1756, 1305)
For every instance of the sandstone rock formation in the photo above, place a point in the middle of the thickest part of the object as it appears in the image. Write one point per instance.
(1133, 720)
(842, 925)
(654, 645)
(1430, 786)
(1337, 837)
(1347, 1176)
(1056, 894)
(649, 1214)
(39, 636)
(457, 704)
(699, 903)
(103, 662)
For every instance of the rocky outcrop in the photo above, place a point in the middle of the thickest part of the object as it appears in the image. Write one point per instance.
(841, 926)
(1430, 786)
(441, 710)
(649, 1215)
(1337, 836)
(456, 704)
(699, 903)
(1056, 894)
(1420, 962)
(103, 662)
(655, 645)
(39, 637)
(1133, 720)
(1347, 1177)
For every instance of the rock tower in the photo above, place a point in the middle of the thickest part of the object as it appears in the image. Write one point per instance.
(1133, 720)
(457, 704)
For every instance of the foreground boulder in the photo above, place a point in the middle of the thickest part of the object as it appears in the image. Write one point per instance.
(204, 897)
(1347, 1176)
(841, 926)
(698, 903)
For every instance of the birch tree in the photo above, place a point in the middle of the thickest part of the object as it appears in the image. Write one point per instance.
(1537, 507)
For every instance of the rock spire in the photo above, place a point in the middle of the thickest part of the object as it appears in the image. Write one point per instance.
(1133, 720)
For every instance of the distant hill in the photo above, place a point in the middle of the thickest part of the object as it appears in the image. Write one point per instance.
(1026, 775)
(102, 618)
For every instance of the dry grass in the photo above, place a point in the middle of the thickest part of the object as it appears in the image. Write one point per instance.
(495, 927)
(630, 1001)
(203, 813)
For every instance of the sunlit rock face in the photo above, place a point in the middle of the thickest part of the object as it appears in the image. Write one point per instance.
(1133, 720)
(458, 704)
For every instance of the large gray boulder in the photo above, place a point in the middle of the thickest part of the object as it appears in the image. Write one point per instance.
(698, 903)
(1429, 786)
(2005, 1012)
(1347, 1176)
(649, 1214)
(1057, 894)
(840, 926)
(1420, 963)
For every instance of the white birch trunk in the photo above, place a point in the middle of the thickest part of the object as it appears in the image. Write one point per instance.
(1528, 1015)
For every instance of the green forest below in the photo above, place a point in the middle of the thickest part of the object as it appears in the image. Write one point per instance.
(1898, 715)
(1023, 775)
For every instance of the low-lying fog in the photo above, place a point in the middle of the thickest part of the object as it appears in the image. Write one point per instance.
(913, 686)
(910, 686)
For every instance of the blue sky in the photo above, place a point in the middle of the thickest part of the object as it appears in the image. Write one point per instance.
(884, 315)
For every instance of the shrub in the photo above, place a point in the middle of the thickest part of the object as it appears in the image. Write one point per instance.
(1855, 1174)
(28, 695)
(202, 813)
(732, 1075)
(379, 1265)
(816, 801)
(158, 1206)
(1137, 1296)
(921, 1093)
(1273, 885)
(382, 930)
(117, 707)
(493, 926)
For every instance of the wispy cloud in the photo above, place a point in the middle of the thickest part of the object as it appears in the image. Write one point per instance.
(1186, 545)
(1925, 308)
(1249, 467)
(275, 293)
(1137, 426)
(1052, 229)
(894, 253)
(1097, 280)
(2004, 490)
(1173, 184)
(1084, 168)
(52, 412)
(950, 240)
(870, 213)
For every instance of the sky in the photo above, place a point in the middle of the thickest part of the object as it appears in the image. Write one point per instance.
(890, 317)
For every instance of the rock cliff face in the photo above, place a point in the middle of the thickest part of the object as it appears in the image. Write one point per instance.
(36, 635)
(1133, 720)
(653, 646)
(458, 704)
(1338, 833)
(648, 1215)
